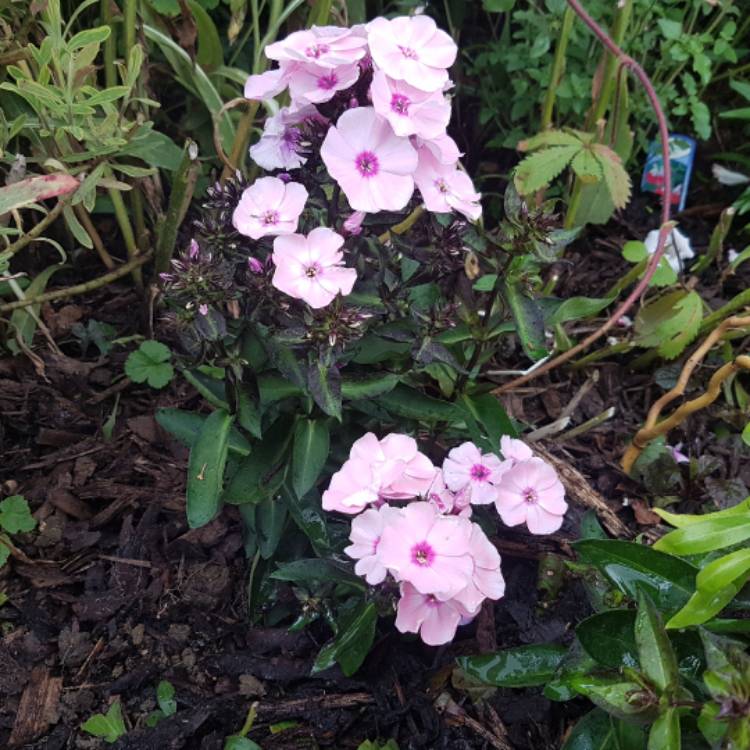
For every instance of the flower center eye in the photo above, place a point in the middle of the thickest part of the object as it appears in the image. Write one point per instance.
(367, 164)
(317, 50)
(314, 270)
(480, 472)
(328, 82)
(270, 218)
(441, 186)
(400, 104)
(529, 495)
(408, 53)
(422, 554)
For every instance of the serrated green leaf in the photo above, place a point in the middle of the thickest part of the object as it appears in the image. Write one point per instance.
(15, 515)
(550, 138)
(539, 169)
(669, 323)
(615, 175)
(586, 166)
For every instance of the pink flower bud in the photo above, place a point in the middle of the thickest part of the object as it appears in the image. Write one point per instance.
(203, 309)
(254, 265)
(194, 250)
(353, 225)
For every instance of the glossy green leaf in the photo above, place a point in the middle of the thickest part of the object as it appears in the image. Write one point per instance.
(523, 666)
(248, 413)
(665, 732)
(576, 308)
(616, 695)
(307, 514)
(595, 731)
(655, 652)
(490, 414)
(185, 426)
(529, 320)
(313, 570)
(369, 387)
(324, 384)
(15, 515)
(669, 580)
(309, 453)
(609, 638)
(707, 536)
(352, 645)
(208, 458)
(212, 389)
(407, 402)
(681, 520)
(270, 518)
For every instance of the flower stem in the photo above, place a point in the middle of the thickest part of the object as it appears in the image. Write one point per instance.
(128, 237)
(558, 68)
(35, 231)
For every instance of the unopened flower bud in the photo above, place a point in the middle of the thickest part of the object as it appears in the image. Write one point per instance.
(254, 265)
(194, 250)
(353, 225)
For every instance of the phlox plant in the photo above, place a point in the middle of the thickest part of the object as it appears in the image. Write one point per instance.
(343, 304)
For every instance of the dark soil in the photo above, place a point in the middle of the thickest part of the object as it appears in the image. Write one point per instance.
(113, 593)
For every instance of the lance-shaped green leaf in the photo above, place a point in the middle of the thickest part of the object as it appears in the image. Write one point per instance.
(270, 518)
(655, 652)
(317, 570)
(352, 644)
(527, 314)
(523, 666)
(185, 426)
(490, 414)
(707, 536)
(665, 732)
(309, 453)
(206, 468)
(324, 384)
(681, 520)
(617, 695)
(368, 386)
(407, 402)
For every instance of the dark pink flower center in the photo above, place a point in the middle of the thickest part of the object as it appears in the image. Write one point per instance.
(270, 217)
(367, 164)
(314, 270)
(422, 554)
(480, 473)
(400, 104)
(328, 82)
(432, 601)
(408, 52)
(316, 50)
(530, 495)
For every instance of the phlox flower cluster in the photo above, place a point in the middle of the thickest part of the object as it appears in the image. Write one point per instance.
(370, 103)
(412, 523)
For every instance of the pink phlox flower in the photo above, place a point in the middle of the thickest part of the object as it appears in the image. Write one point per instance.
(314, 83)
(466, 468)
(312, 268)
(446, 501)
(532, 493)
(514, 450)
(269, 207)
(264, 86)
(487, 580)
(353, 224)
(412, 49)
(373, 166)
(443, 148)
(283, 143)
(435, 620)
(352, 488)
(429, 550)
(409, 110)
(445, 188)
(366, 530)
(327, 46)
(677, 454)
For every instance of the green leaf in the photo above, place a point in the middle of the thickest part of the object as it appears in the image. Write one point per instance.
(236, 742)
(89, 36)
(523, 666)
(669, 580)
(707, 536)
(539, 169)
(369, 386)
(270, 518)
(746, 434)
(655, 652)
(592, 732)
(210, 53)
(110, 726)
(671, 29)
(324, 383)
(680, 520)
(498, 6)
(248, 412)
(352, 645)
(586, 166)
(15, 515)
(485, 283)
(35, 189)
(185, 426)
(608, 637)
(489, 412)
(261, 474)
(4, 554)
(615, 176)
(669, 323)
(23, 320)
(550, 138)
(317, 570)
(529, 320)
(614, 694)
(412, 404)
(577, 308)
(665, 733)
(306, 513)
(150, 363)
(154, 148)
(165, 698)
(309, 453)
(206, 469)
(634, 251)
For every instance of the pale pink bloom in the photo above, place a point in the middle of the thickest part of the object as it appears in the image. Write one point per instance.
(264, 86)
(677, 454)
(487, 580)
(436, 621)
(312, 268)
(377, 470)
(327, 46)
(443, 148)
(412, 49)
(314, 83)
(445, 188)
(447, 501)
(353, 225)
(367, 528)
(269, 207)
(409, 110)
(466, 468)
(532, 493)
(514, 450)
(373, 166)
(429, 550)
(282, 144)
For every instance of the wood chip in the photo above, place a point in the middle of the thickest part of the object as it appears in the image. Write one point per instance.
(38, 709)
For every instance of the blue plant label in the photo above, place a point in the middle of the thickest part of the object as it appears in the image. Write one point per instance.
(681, 158)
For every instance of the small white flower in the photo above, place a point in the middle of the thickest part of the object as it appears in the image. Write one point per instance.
(677, 251)
(729, 177)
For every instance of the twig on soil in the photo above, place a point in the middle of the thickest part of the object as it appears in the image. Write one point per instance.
(589, 424)
(96, 649)
(666, 226)
(454, 714)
